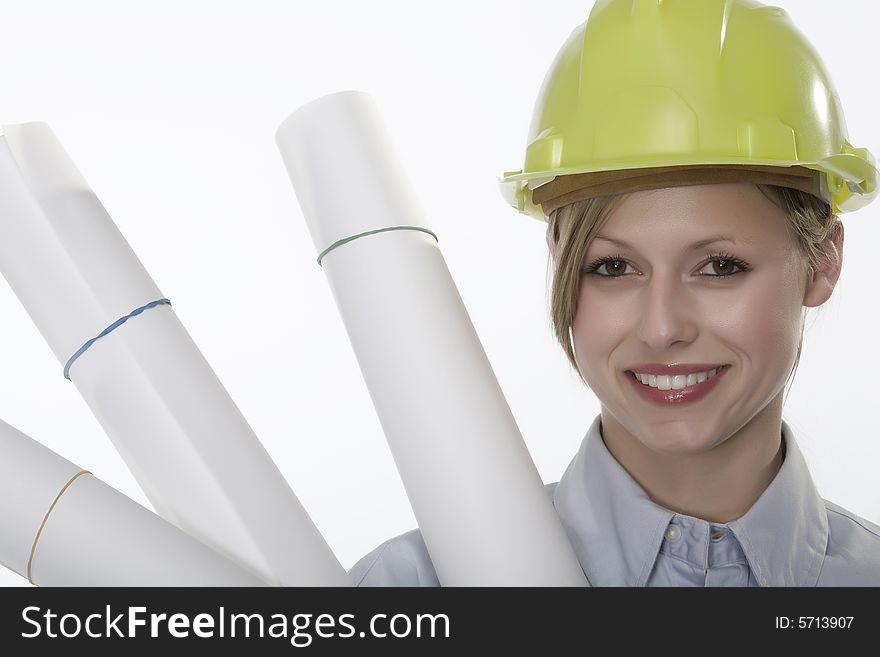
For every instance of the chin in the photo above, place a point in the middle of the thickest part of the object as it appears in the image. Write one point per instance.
(677, 438)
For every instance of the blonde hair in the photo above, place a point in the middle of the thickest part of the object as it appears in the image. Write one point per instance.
(811, 224)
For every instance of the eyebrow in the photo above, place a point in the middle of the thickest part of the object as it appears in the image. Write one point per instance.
(695, 245)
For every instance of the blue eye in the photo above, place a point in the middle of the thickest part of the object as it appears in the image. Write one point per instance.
(616, 263)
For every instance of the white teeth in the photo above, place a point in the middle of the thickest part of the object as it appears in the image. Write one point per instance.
(675, 382)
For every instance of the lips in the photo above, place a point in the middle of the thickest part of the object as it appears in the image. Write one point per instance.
(680, 396)
(670, 370)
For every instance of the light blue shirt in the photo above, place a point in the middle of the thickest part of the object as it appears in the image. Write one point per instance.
(789, 537)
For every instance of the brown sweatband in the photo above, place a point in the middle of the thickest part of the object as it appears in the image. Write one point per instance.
(566, 189)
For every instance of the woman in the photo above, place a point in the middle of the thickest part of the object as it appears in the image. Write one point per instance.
(692, 218)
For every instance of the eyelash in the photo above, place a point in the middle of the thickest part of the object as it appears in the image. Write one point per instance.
(593, 267)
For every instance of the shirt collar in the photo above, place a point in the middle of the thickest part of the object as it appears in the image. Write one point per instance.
(617, 530)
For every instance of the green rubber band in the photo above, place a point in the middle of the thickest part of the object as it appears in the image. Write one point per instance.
(370, 232)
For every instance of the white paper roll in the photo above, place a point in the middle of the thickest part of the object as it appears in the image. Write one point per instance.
(476, 494)
(60, 526)
(187, 444)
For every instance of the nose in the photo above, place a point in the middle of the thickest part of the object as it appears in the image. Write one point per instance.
(667, 313)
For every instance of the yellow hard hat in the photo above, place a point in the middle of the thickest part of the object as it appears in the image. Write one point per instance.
(646, 84)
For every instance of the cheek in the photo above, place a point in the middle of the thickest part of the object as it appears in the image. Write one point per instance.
(763, 320)
(603, 320)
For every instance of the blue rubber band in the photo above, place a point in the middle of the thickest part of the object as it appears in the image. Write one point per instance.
(372, 232)
(117, 323)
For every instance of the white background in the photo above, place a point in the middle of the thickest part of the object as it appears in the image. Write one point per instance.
(169, 110)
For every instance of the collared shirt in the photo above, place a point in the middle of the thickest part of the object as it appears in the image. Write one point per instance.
(789, 537)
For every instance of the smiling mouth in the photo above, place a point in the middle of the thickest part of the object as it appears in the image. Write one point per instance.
(685, 392)
(676, 381)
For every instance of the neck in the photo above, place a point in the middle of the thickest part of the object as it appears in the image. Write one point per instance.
(718, 484)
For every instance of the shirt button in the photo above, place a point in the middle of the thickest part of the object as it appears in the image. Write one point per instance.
(673, 533)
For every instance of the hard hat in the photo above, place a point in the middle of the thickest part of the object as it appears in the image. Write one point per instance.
(693, 90)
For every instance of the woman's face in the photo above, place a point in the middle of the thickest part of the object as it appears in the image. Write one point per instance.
(661, 300)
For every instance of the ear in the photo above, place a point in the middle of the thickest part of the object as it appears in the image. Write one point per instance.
(821, 284)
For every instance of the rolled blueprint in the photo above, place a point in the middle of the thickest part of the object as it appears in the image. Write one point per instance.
(478, 499)
(60, 526)
(198, 461)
